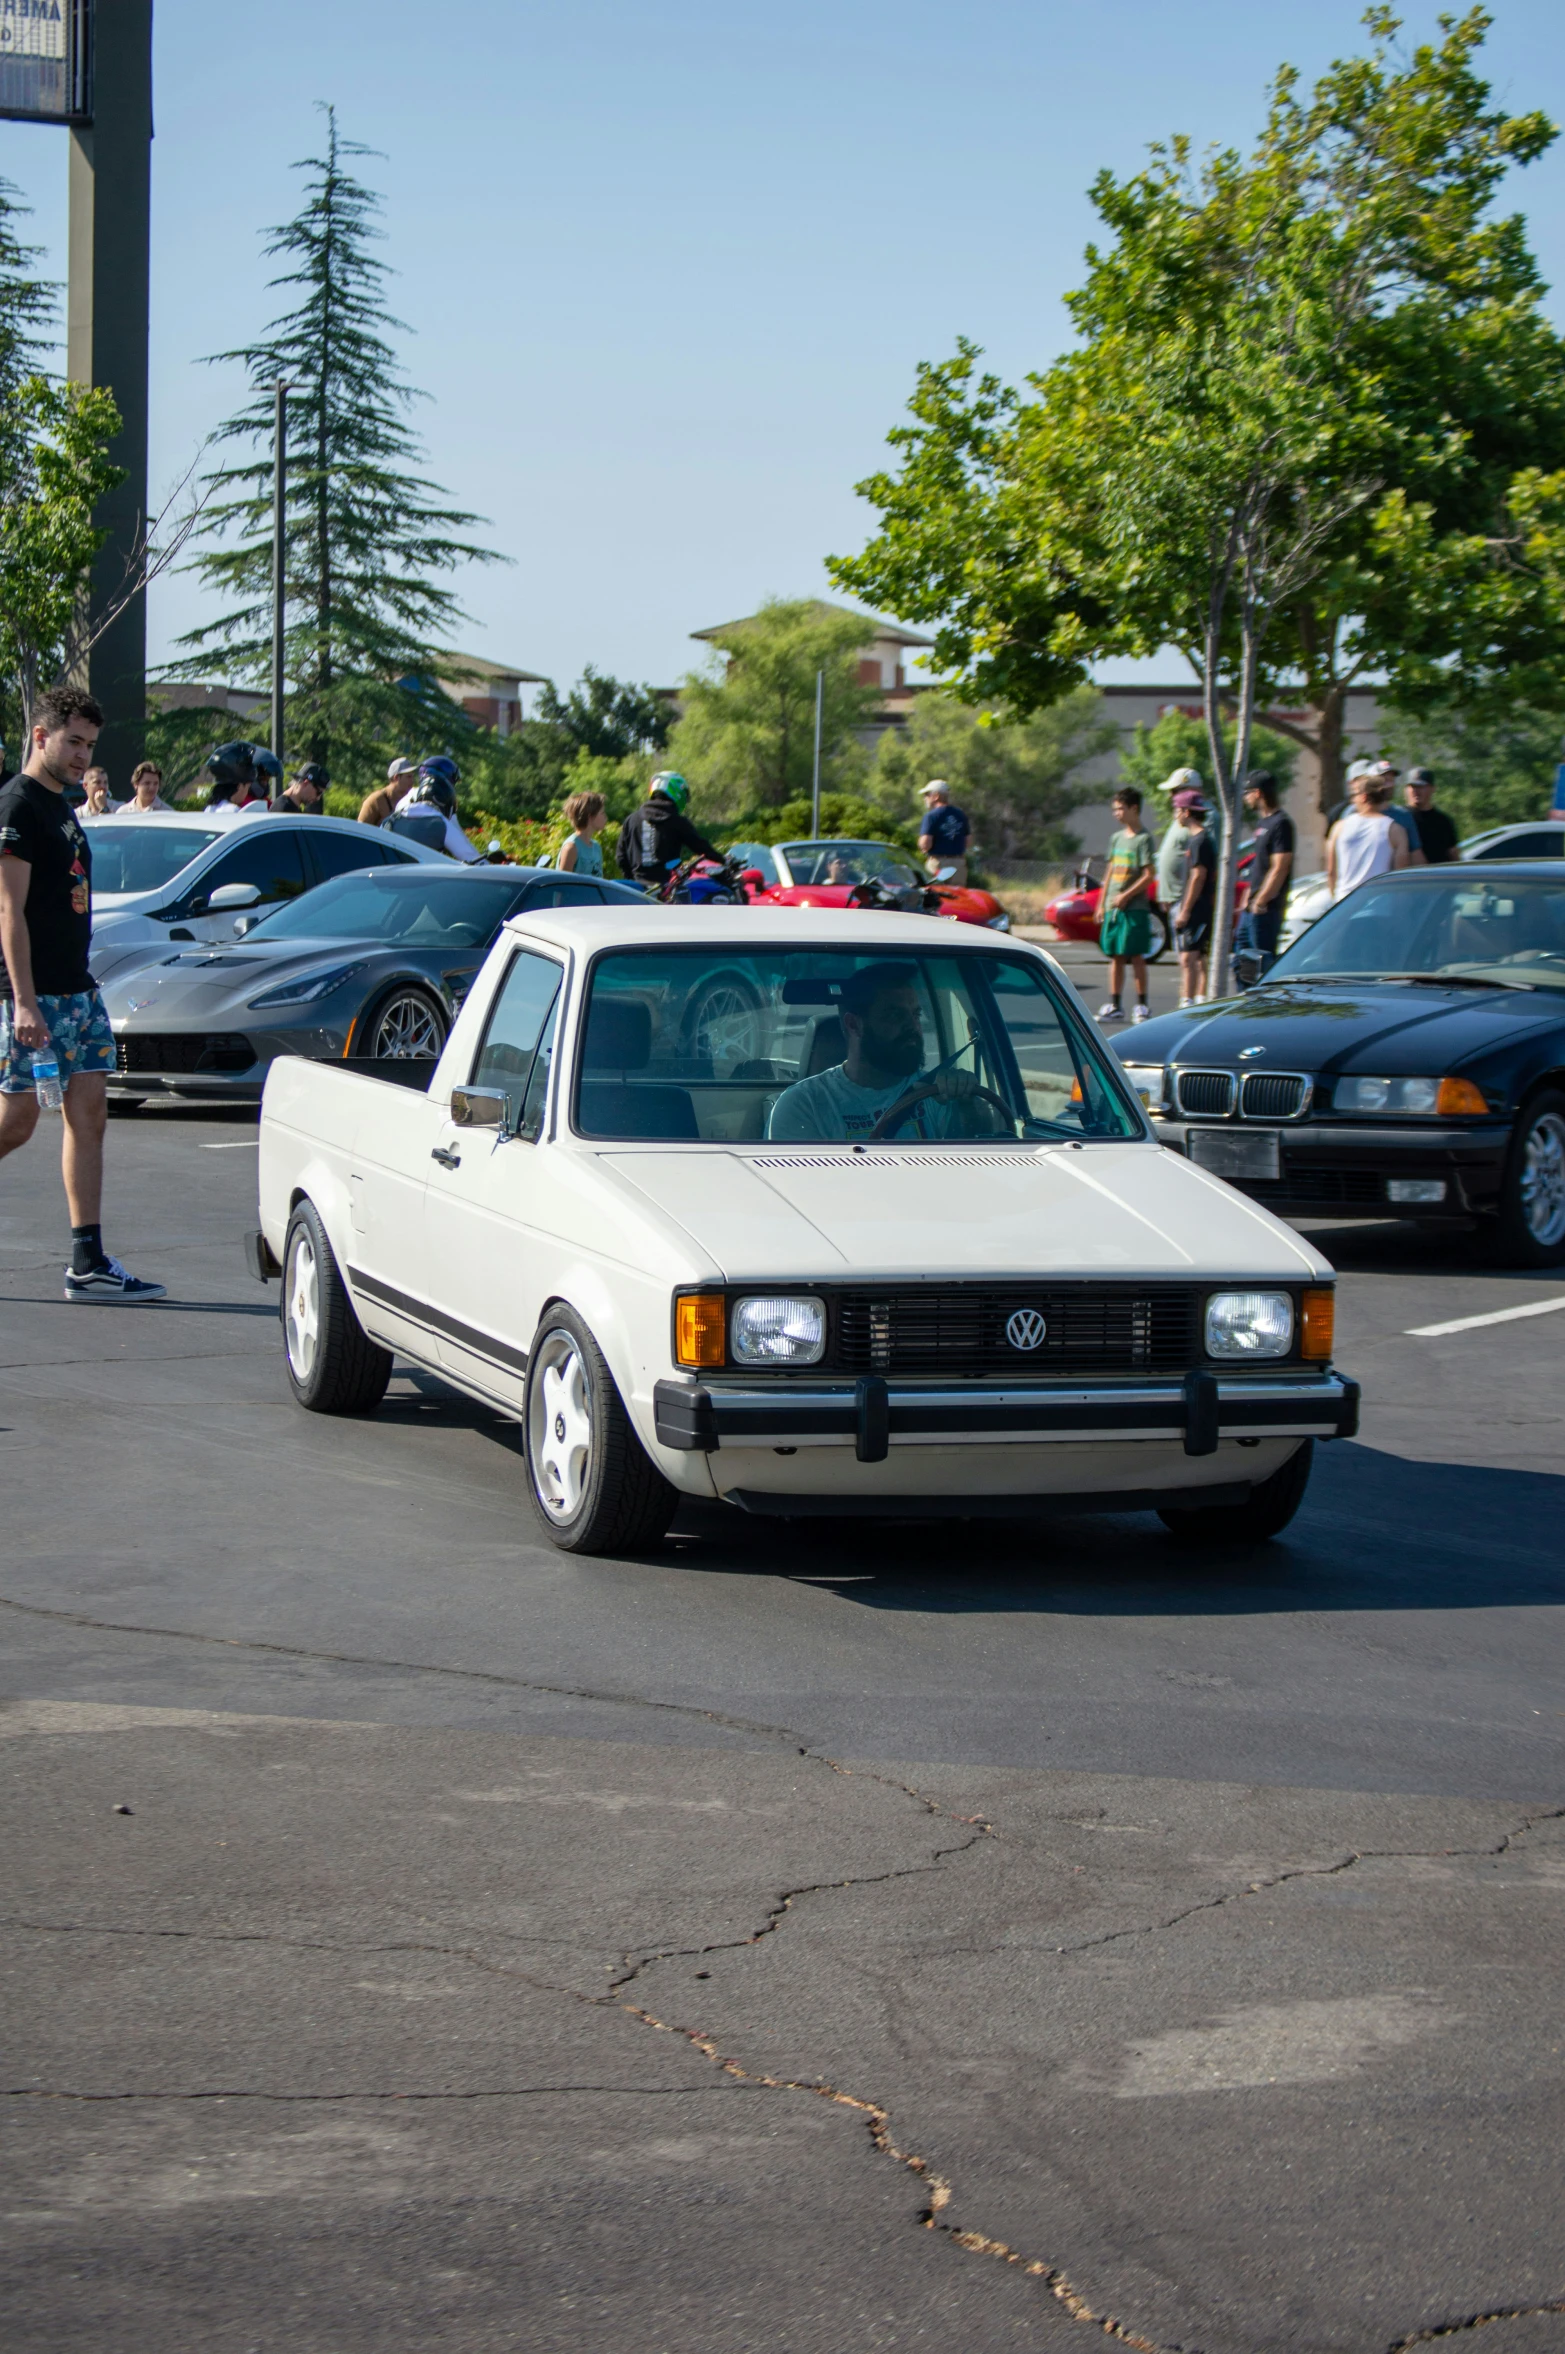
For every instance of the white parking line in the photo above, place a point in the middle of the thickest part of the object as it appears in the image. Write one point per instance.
(1496, 1316)
(245, 1144)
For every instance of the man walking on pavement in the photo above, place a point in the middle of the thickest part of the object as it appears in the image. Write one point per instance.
(1125, 934)
(49, 1003)
(945, 833)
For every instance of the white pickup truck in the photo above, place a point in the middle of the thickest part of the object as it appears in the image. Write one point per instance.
(817, 1213)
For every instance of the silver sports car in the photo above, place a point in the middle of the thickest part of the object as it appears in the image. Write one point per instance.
(375, 964)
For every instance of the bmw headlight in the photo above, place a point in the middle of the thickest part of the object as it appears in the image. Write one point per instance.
(313, 985)
(1148, 1081)
(778, 1331)
(1249, 1324)
(1386, 1095)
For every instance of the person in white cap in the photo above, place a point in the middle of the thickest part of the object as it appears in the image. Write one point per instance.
(945, 833)
(401, 777)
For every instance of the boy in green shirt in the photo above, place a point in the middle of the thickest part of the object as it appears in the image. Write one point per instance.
(1126, 930)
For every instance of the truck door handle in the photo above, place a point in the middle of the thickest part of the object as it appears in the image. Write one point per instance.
(446, 1157)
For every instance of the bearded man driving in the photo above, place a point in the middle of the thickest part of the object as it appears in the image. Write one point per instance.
(882, 1021)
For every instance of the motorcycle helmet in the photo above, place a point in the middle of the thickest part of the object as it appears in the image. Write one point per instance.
(433, 792)
(231, 764)
(268, 769)
(672, 786)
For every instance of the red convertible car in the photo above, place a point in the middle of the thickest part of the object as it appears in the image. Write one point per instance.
(1074, 914)
(857, 874)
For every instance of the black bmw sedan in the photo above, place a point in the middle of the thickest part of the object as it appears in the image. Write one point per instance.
(1404, 1059)
(376, 963)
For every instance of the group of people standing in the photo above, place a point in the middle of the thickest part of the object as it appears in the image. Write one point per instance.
(1180, 874)
(1368, 836)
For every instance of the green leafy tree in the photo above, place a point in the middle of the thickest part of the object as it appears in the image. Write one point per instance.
(1017, 779)
(845, 816)
(1493, 763)
(1176, 739)
(747, 735)
(57, 468)
(1305, 432)
(370, 542)
(607, 717)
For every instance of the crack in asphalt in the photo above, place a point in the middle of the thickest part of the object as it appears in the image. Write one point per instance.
(876, 2116)
(1454, 2329)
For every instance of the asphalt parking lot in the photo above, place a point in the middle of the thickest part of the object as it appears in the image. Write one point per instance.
(418, 1938)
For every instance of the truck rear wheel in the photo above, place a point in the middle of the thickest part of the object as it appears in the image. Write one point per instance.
(596, 1488)
(333, 1365)
(1265, 1512)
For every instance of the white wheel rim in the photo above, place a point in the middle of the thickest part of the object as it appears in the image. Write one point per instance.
(407, 1031)
(562, 1429)
(1543, 1179)
(302, 1308)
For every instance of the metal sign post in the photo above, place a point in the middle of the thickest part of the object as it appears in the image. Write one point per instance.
(815, 790)
(279, 556)
(89, 68)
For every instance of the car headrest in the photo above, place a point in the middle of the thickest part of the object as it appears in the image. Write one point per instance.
(619, 1035)
(828, 1047)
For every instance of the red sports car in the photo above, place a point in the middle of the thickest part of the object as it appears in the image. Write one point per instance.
(842, 873)
(1075, 913)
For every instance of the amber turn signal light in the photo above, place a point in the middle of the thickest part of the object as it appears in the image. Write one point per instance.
(698, 1328)
(1317, 1316)
(1458, 1096)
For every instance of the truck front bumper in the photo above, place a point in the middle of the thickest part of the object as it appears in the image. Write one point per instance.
(872, 1416)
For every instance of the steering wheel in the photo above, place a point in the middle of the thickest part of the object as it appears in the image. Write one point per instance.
(892, 1119)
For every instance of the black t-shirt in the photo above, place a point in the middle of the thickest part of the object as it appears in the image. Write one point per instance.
(40, 826)
(1436, 834)
(1274, 837)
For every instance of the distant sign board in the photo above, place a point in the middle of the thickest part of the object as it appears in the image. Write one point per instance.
(46, 61)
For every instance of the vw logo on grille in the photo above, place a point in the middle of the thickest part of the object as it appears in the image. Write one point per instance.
(1025, 1330)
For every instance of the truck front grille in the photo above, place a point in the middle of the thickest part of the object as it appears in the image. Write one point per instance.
(957, 1329)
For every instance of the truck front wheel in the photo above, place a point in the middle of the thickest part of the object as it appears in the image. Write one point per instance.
(333, 1365)
(1265, 1512)
(596, 1488)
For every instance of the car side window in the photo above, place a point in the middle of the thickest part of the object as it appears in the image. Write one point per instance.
(518, 1039)
(564, 891)
(267, 855)
(339, 854)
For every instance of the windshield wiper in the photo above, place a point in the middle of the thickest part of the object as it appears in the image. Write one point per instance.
(1458, 981)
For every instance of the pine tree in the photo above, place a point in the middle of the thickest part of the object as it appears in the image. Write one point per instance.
(28, 313)
(368, 540)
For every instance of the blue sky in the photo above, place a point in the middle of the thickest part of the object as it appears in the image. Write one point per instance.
(670, 270)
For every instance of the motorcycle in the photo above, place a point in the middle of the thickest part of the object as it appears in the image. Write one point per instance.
(706, 882)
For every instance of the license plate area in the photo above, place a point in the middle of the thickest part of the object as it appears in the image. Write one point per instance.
(1236, 1152)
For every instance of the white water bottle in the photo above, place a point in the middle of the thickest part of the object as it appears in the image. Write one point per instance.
(46, 1079)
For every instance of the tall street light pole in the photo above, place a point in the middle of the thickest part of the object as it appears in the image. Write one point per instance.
(815, 789)
(279, 557)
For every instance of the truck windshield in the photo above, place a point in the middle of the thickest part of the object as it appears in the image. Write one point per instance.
(817, 1045)
(143, 856)
(427, 907)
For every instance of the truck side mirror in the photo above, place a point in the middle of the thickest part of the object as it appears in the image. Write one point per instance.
(480, 1107)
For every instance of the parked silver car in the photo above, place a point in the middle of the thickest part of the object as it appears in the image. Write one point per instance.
(161, 881)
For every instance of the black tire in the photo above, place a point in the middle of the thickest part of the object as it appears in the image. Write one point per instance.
(333, 1366)
(1530, 1230)
(1162, 938)
(407, 1024)
(613, 1499)
(1265, 1513)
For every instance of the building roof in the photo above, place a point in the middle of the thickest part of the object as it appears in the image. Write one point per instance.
(474, 670)
(873, 628)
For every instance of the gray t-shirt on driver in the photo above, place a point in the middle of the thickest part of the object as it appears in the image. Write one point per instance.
(830, 1109)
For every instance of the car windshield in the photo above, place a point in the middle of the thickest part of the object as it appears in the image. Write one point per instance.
(144, 856)
(847, 862)
(796, 1045)
(427, 910)
(1463, 927)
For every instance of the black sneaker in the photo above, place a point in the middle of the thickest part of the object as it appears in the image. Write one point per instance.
(109, 1282)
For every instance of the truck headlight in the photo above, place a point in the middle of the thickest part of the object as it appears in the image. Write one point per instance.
(1149, 1082)
(778, 1331)
(1249, 1324)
